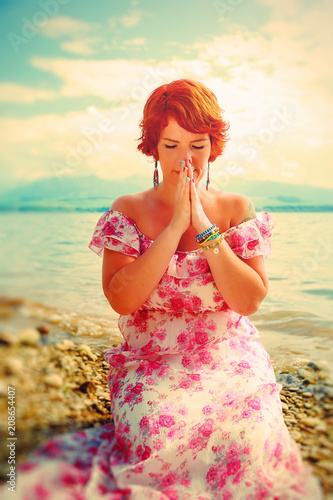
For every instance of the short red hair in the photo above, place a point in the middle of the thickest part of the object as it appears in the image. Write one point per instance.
(192, 105)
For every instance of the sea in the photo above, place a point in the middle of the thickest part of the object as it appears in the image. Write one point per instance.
(44, 257)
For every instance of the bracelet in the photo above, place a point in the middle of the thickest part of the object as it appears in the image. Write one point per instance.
(208, 232)
(211, 237)
(215, 245)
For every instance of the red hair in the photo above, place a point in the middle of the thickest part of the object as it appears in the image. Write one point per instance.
(192, 105)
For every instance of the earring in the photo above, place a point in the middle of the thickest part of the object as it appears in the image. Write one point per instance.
(155, 178)
(208, 181)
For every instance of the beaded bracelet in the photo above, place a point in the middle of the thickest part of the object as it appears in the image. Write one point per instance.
(208, 232)
(211, 237)
(215, 245)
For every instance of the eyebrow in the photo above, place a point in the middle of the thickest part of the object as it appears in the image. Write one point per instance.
(173, 140)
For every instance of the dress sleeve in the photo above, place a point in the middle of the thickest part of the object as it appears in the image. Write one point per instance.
(116, 231)
(251, 238)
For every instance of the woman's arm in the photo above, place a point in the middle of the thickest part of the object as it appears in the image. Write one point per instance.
(128, 282)
(243, 283)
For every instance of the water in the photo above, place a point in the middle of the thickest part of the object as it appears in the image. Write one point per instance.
(45, 257)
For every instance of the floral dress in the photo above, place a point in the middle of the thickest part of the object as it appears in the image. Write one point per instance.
(194, 399)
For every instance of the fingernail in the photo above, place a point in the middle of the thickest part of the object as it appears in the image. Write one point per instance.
(181, 163)
(187, 179)
(190, 161)
(193, 181)
(192, 169)
(184, 168)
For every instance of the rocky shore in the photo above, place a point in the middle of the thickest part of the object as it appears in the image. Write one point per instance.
(62, 386)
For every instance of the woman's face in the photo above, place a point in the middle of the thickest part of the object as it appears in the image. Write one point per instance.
(177, 144)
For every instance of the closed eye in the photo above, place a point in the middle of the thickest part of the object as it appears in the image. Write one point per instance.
(198, 147)
(170, 147)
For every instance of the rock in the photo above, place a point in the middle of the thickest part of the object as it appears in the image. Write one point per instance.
(13, 366)
(8, 338)
(314, 422)
(307, 394)
(29, 336)
(85, 350)
(87, 387)
(297, 436)
(307, 374)
(65, 345)
(43, 329)
(284, 406)
(53, 380)
(327, 465)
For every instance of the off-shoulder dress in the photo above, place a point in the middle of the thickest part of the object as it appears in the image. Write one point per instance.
(194, 400)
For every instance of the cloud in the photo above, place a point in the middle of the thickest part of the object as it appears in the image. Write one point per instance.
(131, 19)
(63, 26)
(120, 79)
(135, 41)
(14, 92)
(82, 46)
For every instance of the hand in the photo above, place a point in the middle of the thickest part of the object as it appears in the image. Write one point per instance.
(199, 219)
(182, 208)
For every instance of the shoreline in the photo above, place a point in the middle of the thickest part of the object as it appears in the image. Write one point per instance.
(62, 387)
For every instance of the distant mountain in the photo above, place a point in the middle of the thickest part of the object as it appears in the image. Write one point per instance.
(91, 193)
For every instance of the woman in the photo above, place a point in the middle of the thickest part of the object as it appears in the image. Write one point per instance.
(194, 399)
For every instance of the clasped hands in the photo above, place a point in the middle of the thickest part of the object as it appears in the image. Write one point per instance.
(188, 209)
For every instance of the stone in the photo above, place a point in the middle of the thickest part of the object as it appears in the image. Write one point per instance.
(43, 329)
(13, 366)
(53, 380)
(29, 336)
(284, 406)
(65, 345)
(8, 338)
(327, 465)
(307, 374)
(84, 349)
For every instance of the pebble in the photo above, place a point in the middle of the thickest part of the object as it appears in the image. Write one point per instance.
(307, 374)
(53, 380)
(327, 465)
(43, 329)
(84, 349)
(8, 338)
(13, 366)
(65, 345)
(284, 406)
(29, 336)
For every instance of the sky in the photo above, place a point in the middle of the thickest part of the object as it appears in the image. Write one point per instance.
(75, 75)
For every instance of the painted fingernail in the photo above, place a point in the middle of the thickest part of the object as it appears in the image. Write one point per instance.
(184, 168)
(190, 161)
(182, 163)
(187, 179)
(192, 169)
(193, 181)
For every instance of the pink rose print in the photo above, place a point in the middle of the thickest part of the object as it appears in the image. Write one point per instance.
(255, 403)
(252, 244)
(246, 413)
(166, 421)
(207, 428)
(201, 336)
(205, 357)
(233, 467)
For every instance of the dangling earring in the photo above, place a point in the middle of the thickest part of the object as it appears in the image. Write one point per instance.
(155, 178)
(208, 181)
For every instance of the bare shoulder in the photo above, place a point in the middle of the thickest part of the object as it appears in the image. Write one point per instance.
(130, 204)
(237, 207)
(242, 209)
